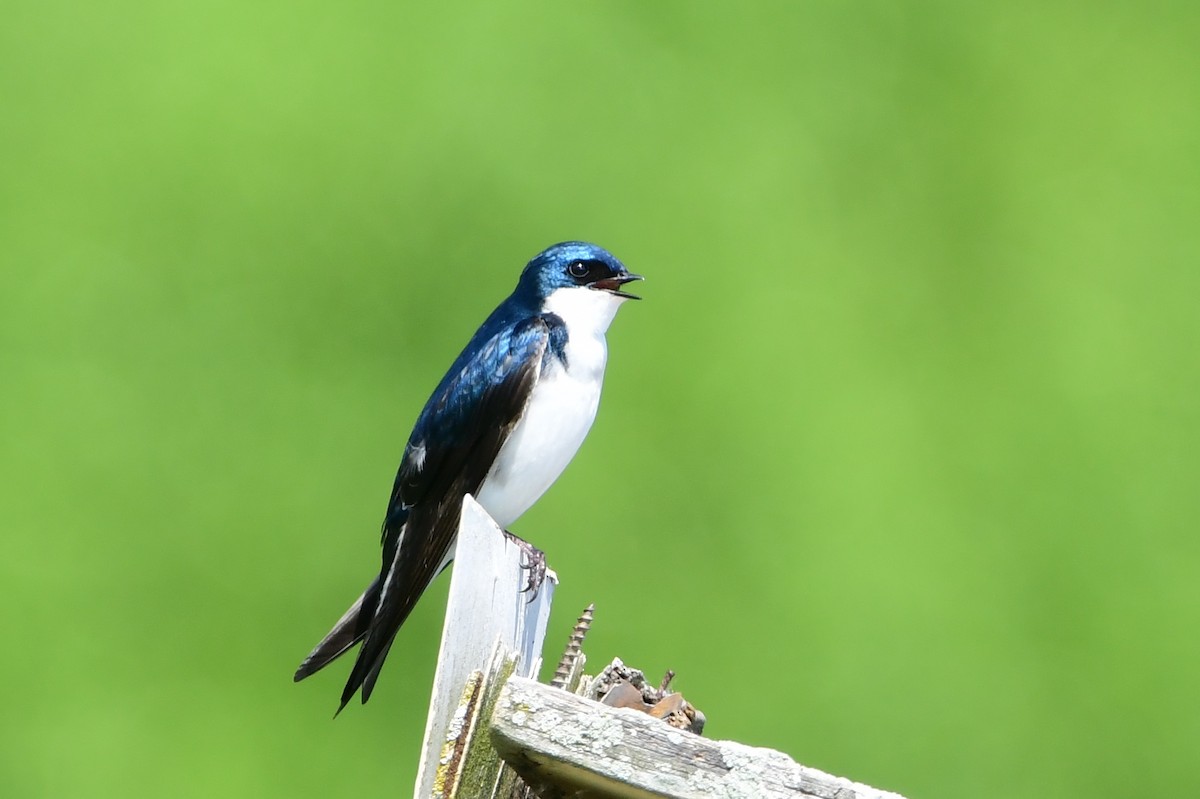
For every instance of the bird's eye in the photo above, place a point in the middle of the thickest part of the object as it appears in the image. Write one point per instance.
(577, 269)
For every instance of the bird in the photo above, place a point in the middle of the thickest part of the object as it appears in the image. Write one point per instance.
(502, 425)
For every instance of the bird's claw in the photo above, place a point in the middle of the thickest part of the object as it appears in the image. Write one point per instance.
(532, 559)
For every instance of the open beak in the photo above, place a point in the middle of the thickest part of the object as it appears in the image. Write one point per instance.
(613, 285)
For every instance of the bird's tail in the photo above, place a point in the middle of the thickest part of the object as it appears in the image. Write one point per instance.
(378, 614)
(350, 629)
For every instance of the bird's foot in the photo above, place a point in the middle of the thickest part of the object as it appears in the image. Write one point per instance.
(534, 560)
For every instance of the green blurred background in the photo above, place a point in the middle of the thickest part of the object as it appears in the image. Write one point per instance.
(897, 462)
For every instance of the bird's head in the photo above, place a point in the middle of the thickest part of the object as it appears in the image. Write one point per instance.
(575, 280)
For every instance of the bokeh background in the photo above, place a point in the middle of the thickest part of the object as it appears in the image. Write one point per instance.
(897, 462)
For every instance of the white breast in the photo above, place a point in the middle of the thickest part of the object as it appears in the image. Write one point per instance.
(560, 411)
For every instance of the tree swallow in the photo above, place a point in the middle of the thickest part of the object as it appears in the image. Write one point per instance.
(501, 425)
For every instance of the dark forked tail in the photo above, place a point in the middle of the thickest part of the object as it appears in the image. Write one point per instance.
(376, 617)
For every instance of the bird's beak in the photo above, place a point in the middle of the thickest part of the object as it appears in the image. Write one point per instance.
(613, 285)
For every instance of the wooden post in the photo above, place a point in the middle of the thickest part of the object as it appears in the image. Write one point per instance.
(486, 712)
(571, 746)
(492, 628)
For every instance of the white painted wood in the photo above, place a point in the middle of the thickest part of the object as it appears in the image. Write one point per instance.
(584, 749)
(486, 604)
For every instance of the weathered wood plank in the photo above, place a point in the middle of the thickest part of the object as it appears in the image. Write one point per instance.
(552, 737)
(486, 606)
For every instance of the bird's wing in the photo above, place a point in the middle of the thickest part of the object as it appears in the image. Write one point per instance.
(452, 449)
